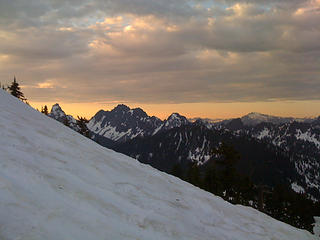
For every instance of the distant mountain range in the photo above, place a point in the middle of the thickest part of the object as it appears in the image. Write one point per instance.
(273, 149)
(254, 118)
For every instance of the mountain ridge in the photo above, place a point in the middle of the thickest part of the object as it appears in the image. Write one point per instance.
(122, 123)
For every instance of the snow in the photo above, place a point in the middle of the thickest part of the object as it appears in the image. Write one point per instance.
(297, 188)
(264, 133)
(180, 140)
(111, 132)
(157, 130)
(57, 184)
(307, 136)
(316, 228)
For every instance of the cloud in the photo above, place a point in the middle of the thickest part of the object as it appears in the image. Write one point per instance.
(162, 51)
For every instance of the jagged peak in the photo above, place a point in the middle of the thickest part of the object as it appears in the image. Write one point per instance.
(121, 107)
(176, 116)
(56, 107)
(139, 111)
(57, 111)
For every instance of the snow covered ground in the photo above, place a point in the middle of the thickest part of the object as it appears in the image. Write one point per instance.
(56, 184)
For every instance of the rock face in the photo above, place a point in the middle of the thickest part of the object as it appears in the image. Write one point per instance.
(122, 124)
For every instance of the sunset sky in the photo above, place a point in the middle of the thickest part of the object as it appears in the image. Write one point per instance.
(215, 59)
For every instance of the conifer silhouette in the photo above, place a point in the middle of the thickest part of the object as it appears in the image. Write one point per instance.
(15, 90)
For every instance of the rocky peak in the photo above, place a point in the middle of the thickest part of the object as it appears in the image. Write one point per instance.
(139, 112)
(176, 120)
(121, 108)
(57, 112)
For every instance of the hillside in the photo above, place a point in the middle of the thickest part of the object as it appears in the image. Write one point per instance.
(57, 184)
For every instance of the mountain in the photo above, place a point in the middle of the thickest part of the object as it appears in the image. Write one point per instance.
(122, 124)
(58, 114)
(254, 118)
(57, 184)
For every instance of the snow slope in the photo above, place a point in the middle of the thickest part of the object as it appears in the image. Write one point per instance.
(57, 184)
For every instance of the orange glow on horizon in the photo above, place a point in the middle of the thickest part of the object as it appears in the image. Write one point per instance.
(192, 110)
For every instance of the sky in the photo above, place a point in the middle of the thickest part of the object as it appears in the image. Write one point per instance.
(215, 59)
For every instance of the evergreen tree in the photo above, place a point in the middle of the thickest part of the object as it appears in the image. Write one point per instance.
(14, 89)
(44, 110)
(82, 124)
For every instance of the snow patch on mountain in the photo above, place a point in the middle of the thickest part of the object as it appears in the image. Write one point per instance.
(263, 134)
(297, 188)
(308, 136)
